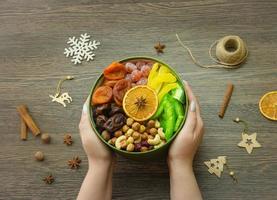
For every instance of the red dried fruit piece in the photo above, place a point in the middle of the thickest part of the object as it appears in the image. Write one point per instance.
(109, 83)
(136, 75)
(115, 71)
(119, 90)
(130, 67)
(145, 70)
(102, 95)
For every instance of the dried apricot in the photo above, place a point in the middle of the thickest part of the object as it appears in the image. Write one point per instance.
(109, 83)
(102, 95)
(119, 90)
(115, 71)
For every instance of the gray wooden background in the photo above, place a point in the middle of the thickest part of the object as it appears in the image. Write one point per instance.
(33, 35)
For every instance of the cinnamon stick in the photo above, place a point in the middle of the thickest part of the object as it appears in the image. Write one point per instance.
(23, 130)
(226, 100)
(23, 112)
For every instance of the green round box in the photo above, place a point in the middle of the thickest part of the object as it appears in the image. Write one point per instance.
(151, 154)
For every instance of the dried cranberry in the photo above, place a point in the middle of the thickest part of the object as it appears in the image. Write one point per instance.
(145, 144)
(137, 147)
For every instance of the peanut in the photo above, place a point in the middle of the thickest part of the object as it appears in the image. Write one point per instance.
(125, 128)
(129, 122)
(130, 140)
(142, 128)
(129, 132)
(138, 140)
(157, 124)
(130, 147)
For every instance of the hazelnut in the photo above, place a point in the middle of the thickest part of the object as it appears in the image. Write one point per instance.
(125, 128)
(136, 135)
(151, 124)
(117, 133)
(144, 136)
(136, 126)
(45, 137)
(130, 140)
(142, 128)
(129, 122)
(157, 124)
(129, 132)
(130, 147)
(112, 141)
(106, 135)
(153, 131)
(39, 156)
(143, 149)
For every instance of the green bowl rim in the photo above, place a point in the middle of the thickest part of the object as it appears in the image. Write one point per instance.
(93, 125)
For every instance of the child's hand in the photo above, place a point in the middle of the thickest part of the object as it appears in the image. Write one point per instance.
(186, 143)
(93, 146)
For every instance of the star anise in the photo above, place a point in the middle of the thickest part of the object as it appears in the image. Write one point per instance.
(67, 139)
(74, 163)
(49, 179)
(159, 48)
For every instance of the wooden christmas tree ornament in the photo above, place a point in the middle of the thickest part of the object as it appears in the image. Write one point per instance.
(249, 141)
(216, 166)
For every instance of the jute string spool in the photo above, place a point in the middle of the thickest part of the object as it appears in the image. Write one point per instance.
(230, 52)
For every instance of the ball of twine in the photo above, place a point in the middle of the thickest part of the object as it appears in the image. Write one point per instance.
(230, 52)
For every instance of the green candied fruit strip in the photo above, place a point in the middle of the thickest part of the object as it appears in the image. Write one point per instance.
(170, 116)
(179, 110)
(160, 109)
(179, 94)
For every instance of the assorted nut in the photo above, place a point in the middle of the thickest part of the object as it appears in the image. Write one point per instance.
(136, 136)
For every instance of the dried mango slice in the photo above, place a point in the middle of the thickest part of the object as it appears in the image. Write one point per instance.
(166, 88)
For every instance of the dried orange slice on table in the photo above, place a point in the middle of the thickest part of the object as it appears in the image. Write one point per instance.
(140, 103)
(268, 105)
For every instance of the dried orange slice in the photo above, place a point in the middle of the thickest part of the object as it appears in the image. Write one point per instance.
(140, 103)
(268, 105)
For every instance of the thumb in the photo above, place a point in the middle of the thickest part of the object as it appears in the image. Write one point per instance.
(85, 123)
(191, 119)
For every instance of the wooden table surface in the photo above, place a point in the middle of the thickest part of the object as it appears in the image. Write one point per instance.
(33, 35)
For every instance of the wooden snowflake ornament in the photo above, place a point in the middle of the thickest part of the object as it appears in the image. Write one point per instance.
(81, 48)
(249, 142)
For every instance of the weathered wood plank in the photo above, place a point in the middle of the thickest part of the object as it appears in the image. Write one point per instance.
(33, 35)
